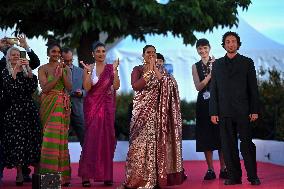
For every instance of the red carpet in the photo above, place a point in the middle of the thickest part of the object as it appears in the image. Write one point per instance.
(271, 176)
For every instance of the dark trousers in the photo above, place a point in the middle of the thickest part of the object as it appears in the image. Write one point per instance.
(230, 129)
(77, 124)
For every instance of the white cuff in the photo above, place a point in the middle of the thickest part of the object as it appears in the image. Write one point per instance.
(28, 49)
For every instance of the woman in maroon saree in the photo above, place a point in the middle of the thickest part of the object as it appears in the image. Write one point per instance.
(100, 80)
(154, 157)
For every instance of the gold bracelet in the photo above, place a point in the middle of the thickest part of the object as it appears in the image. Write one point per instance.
(147, 75)
(146, 78)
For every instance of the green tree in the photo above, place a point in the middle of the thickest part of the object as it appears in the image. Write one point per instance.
(78, 23)
(123, 115)
(271, 89)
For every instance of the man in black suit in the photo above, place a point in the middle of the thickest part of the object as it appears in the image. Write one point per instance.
(234, 104)
(34, 62)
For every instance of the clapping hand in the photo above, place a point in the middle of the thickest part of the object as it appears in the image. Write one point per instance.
(61, 62)
(87, 67)
(58, 72)
(115, 65)
(59, 68)
(152, 63)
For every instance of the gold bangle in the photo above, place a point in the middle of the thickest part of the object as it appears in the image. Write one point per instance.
(146, 76)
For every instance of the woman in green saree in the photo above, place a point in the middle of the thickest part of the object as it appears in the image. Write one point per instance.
(55, 81)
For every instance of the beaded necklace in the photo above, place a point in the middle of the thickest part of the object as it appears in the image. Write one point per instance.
(206, 70)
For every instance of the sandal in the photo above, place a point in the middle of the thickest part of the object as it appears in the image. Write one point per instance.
(86, 184)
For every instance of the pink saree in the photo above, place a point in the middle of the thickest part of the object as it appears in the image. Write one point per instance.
(99, 144)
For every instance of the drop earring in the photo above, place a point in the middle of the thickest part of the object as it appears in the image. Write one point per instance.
(144, 62)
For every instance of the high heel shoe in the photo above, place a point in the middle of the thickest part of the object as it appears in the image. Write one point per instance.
(86, 184)
(108, 183)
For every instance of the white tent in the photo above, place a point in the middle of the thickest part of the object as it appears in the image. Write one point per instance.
(264, 51)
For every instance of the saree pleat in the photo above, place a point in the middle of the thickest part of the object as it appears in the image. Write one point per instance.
(169, 135)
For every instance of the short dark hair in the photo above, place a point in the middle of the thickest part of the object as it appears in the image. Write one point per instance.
(160, 56)
(147, 46)
(66, 50)
(202, 42)
(233, 34)
(97, 44)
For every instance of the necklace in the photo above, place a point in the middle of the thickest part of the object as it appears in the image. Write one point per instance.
(205, 68)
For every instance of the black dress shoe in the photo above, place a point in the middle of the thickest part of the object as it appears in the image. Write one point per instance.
(27, 178)
(19, 181)
(232, 181)
(26, 174)
(255, 181)
(108, 183)
(210, 175)
(223, 174)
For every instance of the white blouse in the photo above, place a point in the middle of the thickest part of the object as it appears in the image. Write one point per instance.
(94, 76)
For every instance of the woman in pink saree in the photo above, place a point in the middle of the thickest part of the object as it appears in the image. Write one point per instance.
(154, 157)
(101, 81)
